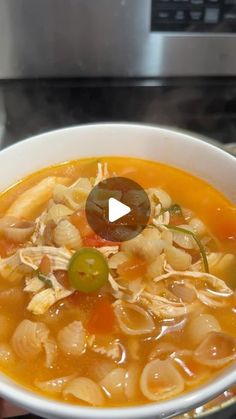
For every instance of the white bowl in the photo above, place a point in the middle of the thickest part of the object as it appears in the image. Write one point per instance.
(163, 145)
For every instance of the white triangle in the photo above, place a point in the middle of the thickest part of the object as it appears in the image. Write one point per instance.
(116, 210)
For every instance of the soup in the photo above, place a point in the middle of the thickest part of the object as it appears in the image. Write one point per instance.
(94, 322)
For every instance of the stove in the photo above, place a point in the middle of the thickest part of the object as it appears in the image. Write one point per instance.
(204, 106)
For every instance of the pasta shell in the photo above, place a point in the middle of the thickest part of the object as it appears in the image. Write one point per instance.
(111, 348)
(147, 245)
(199, 327)
(19, 234)
(216, 350)
(162, 350)
(117, 259)
(184, 292)
(160, 380)
(177, 258)
(57, 212)
(67, 235)
(158, 194)
(184, 240)
(114, 384)
(136, 287)
(7, 221)
(156, 268)
(15, 229)
(133, 320)
(223, 266)
(85, 389)
(54, 386)
(193, 372)
(167, 237)
(72, 339)
(28, 338)
(98, 369)
(6, 354)
(198, 226)
(132, 375)
(50, 347)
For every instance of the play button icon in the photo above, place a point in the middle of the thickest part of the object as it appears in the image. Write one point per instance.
(117, 209)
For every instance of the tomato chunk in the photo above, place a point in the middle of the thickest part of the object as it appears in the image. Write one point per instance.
(62, 277)
(102, 318)
(94, 240)
(79, 220)
(45, 265)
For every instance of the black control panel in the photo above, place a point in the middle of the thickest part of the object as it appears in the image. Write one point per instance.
(193, 16)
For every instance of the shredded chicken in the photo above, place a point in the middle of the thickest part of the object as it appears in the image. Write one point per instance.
(45, 299)
(33, 284)
(37, 237)
(108, 250)
(29, 258)
(32, 256)
(164, 308)
(102, 173)
(215, 282)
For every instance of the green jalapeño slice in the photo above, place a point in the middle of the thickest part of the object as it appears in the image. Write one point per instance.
(88, 270)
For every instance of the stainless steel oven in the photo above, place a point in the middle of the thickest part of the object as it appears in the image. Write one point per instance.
(146, 38)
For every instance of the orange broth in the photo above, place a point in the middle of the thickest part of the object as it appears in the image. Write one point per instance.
(211, 206)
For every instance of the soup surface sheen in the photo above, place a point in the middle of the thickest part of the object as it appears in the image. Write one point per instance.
(87, 321)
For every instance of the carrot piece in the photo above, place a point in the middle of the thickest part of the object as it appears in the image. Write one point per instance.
(133, 268)
(79, 220)
(45, 265)
(102, 318)
(94, 240)
(62, 278)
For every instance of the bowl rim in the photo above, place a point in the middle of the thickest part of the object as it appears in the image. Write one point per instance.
(34, 402)
(208, 141)
(42, 405)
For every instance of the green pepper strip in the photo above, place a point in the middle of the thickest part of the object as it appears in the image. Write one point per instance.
(201, 248)
(45, 280)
